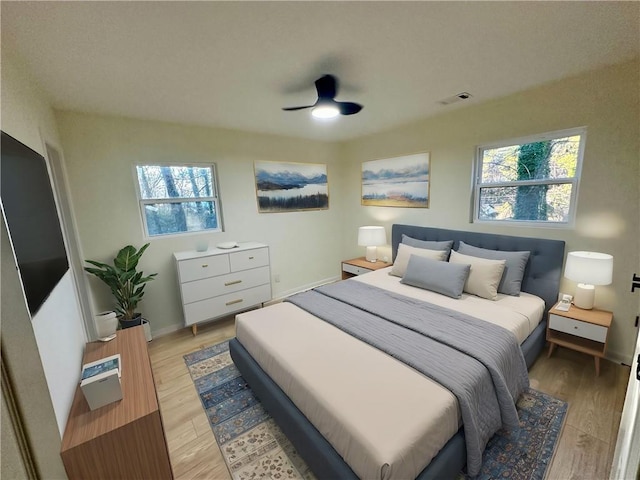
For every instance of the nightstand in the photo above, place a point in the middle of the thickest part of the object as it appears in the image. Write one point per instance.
(360, 265)
(585, 331)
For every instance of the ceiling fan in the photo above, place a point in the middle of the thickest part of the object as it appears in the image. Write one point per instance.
(327, 106)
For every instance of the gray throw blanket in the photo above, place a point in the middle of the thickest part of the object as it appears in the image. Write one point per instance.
(479, 362)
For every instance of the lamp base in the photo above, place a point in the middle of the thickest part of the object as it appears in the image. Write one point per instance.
(372, 254)
(584, 296)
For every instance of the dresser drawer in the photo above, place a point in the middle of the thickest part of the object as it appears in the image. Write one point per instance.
(244, 260)
(224, 304)
(346, 267)
(593, 332)
(203, 267)
(223, 284)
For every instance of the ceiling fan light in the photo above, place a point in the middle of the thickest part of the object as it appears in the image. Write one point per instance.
(325, 111)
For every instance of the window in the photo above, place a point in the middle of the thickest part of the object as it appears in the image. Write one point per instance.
(533, 180)
(178, 199)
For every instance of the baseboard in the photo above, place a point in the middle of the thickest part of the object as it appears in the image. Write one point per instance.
(168, 330)
(619, 358)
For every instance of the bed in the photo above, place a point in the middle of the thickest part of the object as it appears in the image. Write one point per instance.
(302, 345)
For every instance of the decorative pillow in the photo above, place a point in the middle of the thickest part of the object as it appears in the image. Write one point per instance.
(431, 245)
(516, 262)
(405, 251)
(440, 277)
(484, 276)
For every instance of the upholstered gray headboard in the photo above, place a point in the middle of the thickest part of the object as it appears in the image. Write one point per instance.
(544, 268)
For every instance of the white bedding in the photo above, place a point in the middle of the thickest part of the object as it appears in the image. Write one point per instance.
(520, 315)
(384, 418)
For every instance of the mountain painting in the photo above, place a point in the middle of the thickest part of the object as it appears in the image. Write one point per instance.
(396, 182)
(286, 187)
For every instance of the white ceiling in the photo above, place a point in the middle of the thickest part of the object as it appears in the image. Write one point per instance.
(236, 64)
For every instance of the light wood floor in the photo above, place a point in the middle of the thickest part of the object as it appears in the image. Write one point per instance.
(585, 449)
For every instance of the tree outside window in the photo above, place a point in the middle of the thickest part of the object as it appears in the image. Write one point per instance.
(178, 199)
(531, 180)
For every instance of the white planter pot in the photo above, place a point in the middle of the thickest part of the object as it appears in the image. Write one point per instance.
(106, 324)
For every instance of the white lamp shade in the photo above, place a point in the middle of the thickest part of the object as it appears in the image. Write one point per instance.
(372, 236)
(590, 268)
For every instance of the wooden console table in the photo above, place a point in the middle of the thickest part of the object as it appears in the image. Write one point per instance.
(124, 439)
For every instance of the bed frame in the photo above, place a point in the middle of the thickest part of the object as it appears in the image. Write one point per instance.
(541, 278)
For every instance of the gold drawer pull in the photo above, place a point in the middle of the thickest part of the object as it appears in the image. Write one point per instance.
(233, 302)
(205, 265)
(234, 282)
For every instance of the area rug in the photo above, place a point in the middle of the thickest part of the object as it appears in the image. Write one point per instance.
(254, 447)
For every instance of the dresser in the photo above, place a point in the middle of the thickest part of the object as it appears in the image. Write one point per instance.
(124, 439)
(219, 282)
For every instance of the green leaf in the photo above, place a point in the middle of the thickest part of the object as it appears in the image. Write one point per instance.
(122, 278)
(99, 264)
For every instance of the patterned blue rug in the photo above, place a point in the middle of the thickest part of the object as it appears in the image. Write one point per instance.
(254, 447)
(526, 454)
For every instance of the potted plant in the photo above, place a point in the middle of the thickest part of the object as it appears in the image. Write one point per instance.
(126, 284)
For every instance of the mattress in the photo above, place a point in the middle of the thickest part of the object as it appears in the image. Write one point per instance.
(384, 418)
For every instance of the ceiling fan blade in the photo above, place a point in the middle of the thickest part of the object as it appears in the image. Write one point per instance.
(348, 108)
(327, 87)
(289, 109)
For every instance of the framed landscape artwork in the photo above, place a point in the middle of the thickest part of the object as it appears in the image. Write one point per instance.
(287, 187)
(397, 182)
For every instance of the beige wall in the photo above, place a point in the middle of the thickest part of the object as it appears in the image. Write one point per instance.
(100, 156)
(605, 101)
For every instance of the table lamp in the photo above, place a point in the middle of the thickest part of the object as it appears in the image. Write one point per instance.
(588, 269)
(371, 237)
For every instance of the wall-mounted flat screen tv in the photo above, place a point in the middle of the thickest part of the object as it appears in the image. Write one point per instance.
(32, 220)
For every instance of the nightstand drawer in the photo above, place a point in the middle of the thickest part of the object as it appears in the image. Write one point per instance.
(354, 270)
(593, 332)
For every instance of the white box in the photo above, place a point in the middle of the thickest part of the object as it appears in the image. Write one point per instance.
(101, 366)
(102, 389)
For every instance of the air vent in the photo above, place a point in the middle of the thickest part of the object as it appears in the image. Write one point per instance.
(456, 98)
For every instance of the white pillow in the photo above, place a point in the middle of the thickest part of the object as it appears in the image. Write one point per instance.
(404, 254)
(484, 277)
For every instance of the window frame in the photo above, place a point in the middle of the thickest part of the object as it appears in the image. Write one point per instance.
(215, 199)
(477, 184)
